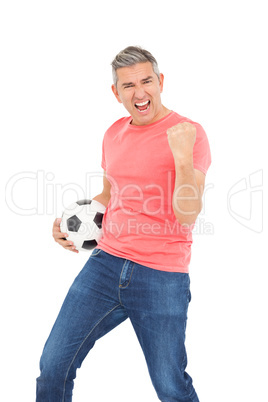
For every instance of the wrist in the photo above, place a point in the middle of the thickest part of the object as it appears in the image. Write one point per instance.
(183, 160)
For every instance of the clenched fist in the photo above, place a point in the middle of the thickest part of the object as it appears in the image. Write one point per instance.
(181, 139)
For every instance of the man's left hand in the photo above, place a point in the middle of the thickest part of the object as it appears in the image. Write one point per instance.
(181, 139)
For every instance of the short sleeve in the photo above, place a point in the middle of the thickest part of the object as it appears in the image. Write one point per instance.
(201, 151)
(103, 160)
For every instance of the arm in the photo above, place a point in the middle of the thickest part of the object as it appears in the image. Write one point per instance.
(61, 238)
(189, 182)
(105, 196)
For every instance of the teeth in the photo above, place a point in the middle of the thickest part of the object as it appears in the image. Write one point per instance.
(142, 104)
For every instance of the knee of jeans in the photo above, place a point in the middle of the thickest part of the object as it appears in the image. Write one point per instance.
(53, 384)
(52, 369)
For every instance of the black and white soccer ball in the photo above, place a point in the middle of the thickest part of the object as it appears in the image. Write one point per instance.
(82, 221)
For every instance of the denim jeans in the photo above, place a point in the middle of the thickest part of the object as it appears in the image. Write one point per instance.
(106, 292)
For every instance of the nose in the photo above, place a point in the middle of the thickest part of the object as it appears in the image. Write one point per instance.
(139, 92)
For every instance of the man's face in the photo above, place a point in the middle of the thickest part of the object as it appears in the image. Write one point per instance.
(139, 89)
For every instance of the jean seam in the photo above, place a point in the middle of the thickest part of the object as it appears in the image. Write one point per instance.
(128, 282)
(122, 273)
(64, 385)
(120, 286)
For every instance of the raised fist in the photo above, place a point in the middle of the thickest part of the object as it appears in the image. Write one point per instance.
(181, 139)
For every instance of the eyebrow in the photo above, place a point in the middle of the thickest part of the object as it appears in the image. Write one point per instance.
(125, 84)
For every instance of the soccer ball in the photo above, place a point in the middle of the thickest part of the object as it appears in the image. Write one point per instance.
(82, 221)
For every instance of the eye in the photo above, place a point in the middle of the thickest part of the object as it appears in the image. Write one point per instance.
(147, 81)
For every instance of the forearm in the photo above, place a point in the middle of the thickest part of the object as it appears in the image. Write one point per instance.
(187, 199)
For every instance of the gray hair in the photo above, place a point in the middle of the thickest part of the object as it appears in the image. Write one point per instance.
(129, 57)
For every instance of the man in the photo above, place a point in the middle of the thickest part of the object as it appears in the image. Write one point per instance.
(155, 163)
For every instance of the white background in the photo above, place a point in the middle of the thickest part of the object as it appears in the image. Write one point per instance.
(56, 104)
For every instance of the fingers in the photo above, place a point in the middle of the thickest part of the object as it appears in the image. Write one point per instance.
(61, 238)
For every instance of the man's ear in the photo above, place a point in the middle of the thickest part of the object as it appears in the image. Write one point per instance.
(161, 82)
(116, 94)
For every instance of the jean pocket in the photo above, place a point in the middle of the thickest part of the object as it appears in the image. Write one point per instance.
(95, 252)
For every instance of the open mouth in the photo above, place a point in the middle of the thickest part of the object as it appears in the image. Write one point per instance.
(143, 106)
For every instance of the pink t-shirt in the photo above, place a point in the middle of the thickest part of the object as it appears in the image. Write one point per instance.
(139, 223)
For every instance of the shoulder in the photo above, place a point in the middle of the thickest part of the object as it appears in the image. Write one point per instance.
(118, 125)
(200, 132)
(182, 119)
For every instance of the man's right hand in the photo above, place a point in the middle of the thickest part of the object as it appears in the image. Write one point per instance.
(61, 238)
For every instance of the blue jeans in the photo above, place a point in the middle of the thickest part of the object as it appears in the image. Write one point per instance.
(106, 292)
